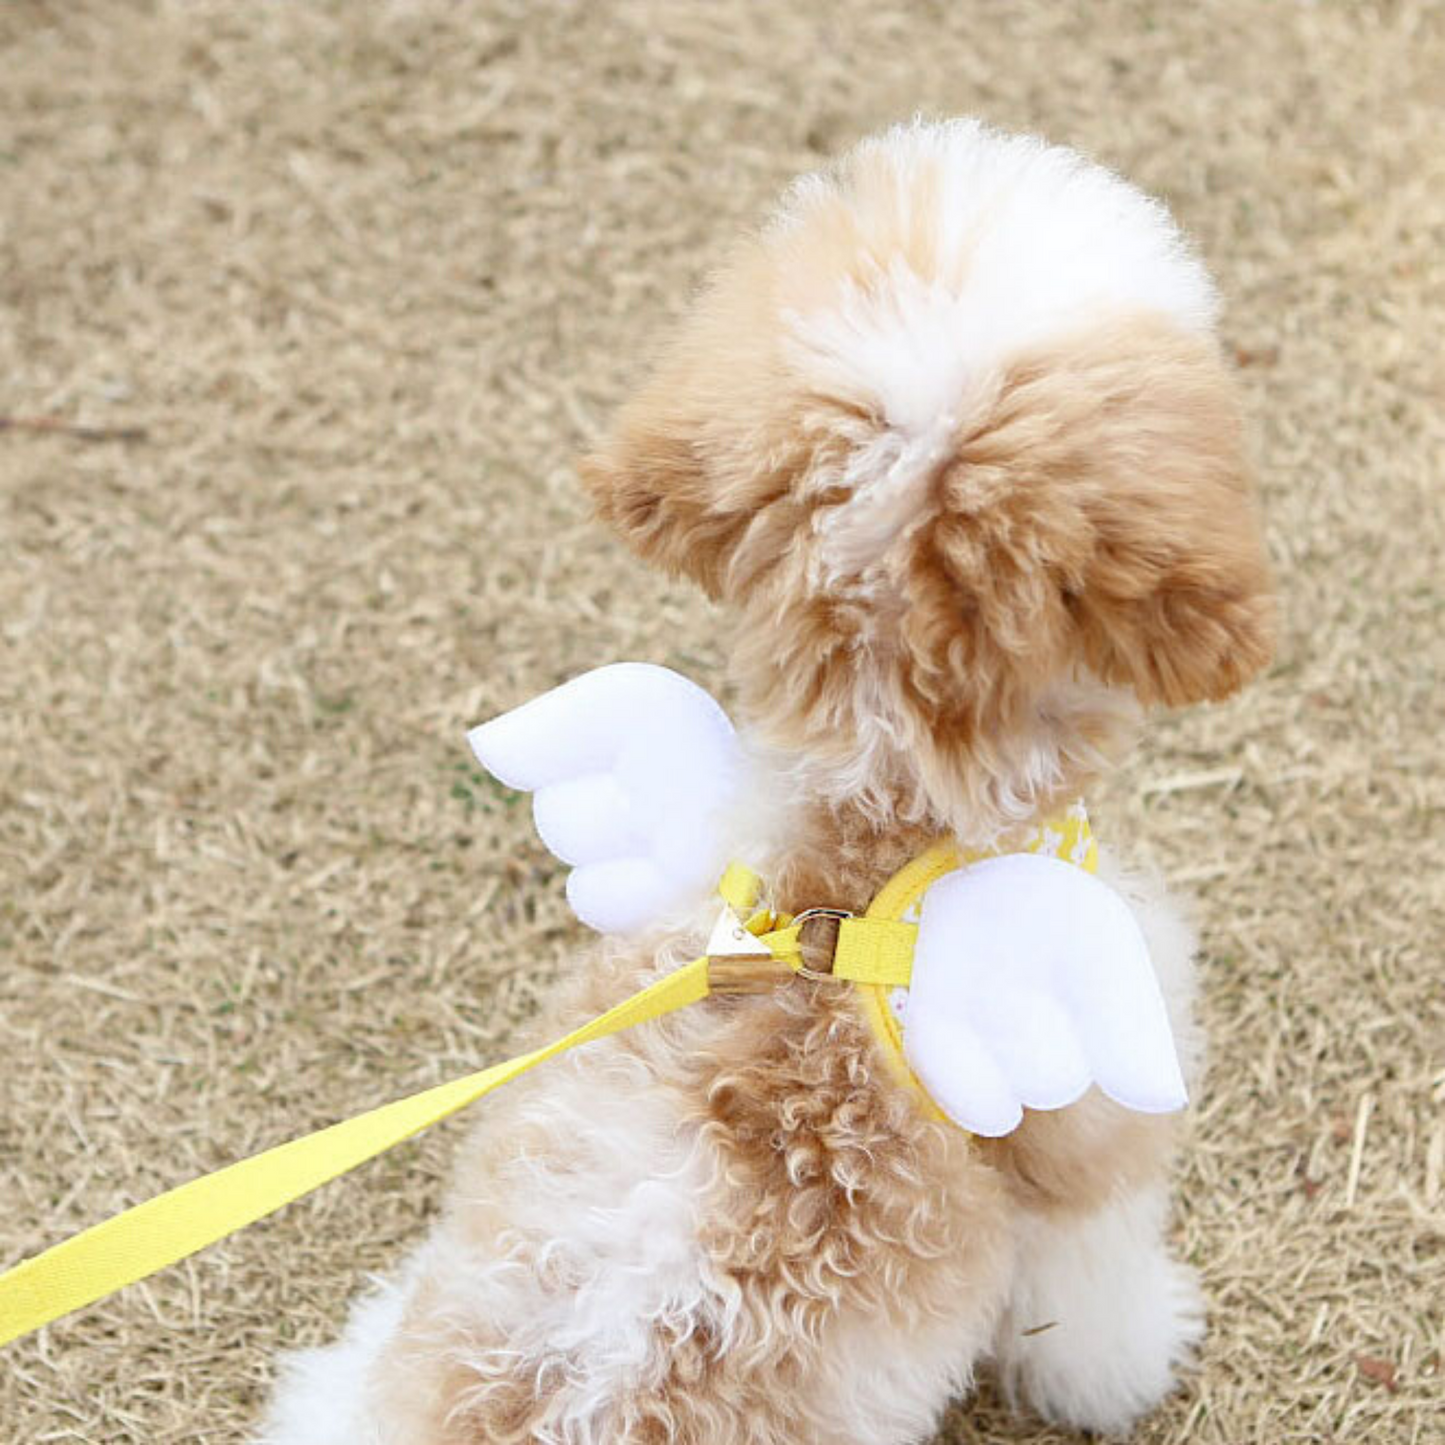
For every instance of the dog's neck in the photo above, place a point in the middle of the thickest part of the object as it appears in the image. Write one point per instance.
(833, 827)
(836, 856)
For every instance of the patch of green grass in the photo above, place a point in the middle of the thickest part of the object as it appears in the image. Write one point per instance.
(479, 791)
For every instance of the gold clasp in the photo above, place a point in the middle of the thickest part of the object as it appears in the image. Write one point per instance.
(747, 973)
(737, 963)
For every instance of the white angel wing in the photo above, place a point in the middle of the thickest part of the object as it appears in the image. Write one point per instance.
(631, 765)
(1032, 981)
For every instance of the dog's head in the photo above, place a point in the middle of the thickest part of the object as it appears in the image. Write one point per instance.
(954, 438)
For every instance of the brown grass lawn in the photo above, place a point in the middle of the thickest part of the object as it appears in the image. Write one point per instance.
(365, 278)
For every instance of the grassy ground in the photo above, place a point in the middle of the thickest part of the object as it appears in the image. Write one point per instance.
(365, 278)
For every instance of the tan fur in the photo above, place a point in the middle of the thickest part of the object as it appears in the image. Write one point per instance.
(1087, 526)
(1096, 513)
(834, 1205)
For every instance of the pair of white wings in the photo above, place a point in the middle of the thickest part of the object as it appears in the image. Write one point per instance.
(1031, 978)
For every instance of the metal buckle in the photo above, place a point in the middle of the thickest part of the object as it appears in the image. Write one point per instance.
(813, 915)
(737, 963)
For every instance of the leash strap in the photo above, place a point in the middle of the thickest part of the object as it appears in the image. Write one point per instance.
(148, 1237)
(874, 953)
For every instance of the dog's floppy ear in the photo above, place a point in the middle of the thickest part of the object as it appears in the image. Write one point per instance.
(693, 455)
(1140, 426)
(650, 483)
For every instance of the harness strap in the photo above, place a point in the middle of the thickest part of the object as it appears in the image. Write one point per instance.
(876, 951)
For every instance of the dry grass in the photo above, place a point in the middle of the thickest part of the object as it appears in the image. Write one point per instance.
(367, 276)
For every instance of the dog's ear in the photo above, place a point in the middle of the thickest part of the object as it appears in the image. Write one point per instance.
(1139, 427)
(694, 455)
(650, 483)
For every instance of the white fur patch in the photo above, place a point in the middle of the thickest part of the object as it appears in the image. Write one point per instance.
(1101, 1317)
(1029, 242)
(320, 1396)
(599, 1270)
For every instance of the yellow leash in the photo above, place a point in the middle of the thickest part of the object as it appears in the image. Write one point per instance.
(873, 953)
(150, 1236)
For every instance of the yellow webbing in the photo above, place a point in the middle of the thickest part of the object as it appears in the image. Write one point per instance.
(150, 1236)
(893, 898)
(739, 887)
(875, 953)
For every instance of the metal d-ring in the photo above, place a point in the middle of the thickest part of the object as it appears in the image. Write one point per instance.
(807, 916)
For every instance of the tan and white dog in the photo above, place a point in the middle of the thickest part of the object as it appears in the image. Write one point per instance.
(953, 440)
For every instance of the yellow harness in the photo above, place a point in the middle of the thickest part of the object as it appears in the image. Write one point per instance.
(874, 953)
(1068, 838)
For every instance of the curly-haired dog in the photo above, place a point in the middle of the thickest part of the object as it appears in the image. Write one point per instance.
(952, 439)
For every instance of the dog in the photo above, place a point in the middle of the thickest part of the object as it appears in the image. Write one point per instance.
(952, 441)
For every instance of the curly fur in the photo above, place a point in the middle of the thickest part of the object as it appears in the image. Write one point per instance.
(953, 441)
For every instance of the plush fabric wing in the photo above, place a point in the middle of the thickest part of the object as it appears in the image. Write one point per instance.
(630, 765)
(1032, 981)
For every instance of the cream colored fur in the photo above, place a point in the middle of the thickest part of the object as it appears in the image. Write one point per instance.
(952, 438)
(601, 1218)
